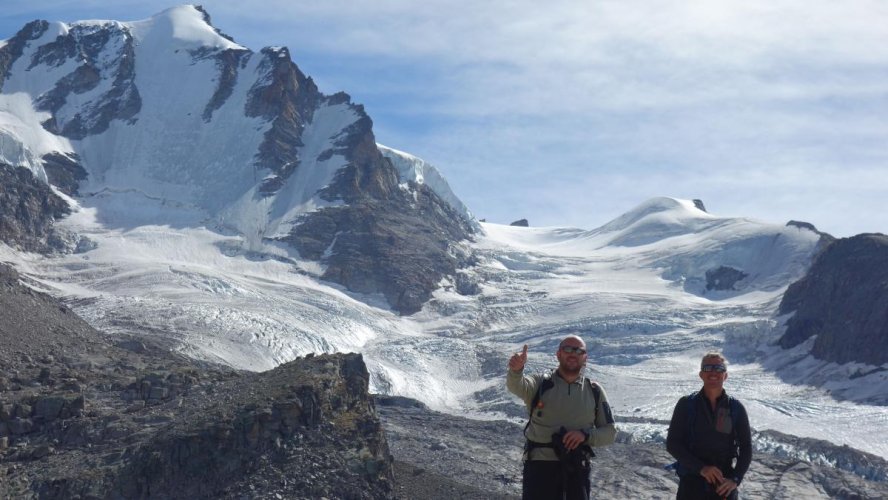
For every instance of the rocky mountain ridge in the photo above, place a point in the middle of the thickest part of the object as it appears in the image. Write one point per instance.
(843, 301)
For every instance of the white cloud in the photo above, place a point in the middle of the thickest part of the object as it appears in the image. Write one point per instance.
(740, 101)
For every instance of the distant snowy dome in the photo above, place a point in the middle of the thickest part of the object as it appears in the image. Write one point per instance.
(656, 219)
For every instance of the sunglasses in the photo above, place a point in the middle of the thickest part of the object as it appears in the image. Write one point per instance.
(714, 368)
(573, 350)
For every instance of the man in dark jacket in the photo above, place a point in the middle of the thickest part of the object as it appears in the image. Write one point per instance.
(708, 430)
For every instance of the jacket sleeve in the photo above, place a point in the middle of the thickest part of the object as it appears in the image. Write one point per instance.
(522, 386)
(604, 432)
(676, 439)
(744, 440)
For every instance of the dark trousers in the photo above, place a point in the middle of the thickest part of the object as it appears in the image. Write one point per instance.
(694, 487)
(544, 480)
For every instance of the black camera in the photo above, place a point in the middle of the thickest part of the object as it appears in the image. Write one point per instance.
(573, 459)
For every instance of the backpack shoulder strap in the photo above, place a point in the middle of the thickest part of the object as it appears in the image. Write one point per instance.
(596, 392)
(546, 383)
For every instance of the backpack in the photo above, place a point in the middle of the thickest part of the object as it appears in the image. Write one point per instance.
(692, 420)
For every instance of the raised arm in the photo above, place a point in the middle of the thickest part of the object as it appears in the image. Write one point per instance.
(517, 383)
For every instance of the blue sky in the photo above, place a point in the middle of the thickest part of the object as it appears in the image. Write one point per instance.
(571, 113)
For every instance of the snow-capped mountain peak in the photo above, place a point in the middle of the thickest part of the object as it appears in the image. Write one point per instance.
(167, 121)
(188, 25)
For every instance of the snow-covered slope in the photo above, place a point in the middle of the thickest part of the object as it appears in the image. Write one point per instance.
(645, 325)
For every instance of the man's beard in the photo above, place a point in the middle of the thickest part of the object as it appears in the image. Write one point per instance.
(566, 370)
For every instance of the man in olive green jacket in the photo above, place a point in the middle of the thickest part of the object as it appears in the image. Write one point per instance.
(570, 415)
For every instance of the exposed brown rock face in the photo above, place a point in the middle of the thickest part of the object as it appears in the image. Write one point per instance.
(82, 416)
(28, 209)
(843, 300)
(377, 249)
(383, 239)
(387, 240)
(288, 98)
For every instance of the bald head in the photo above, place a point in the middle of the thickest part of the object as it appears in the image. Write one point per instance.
(573, 340)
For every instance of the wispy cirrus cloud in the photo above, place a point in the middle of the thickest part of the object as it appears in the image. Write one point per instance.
(576, 111)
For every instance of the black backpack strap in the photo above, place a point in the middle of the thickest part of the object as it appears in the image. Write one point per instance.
(546, 383)
(596, 392)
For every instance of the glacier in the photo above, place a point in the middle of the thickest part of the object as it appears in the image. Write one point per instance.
(642, 308)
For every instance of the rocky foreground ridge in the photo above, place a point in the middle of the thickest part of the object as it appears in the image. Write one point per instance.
(86, 416)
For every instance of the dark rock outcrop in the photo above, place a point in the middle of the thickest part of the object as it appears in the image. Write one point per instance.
(396, 246)
(81, 416)
(520, 223)
(64, 172)
(90, 45)
(228, 62)
(14, 47)
(723, 278)
(802, 225)
(384, 239)
(843, 300)
(28, 208)
(699, 204)
(288, 98)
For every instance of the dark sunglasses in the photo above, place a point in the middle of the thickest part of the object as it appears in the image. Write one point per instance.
(714, 368)
(573, 350)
